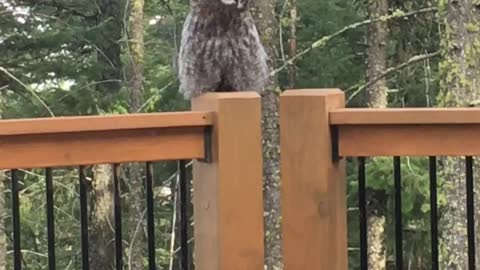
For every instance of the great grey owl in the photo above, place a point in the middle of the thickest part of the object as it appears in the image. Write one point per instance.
(220, 49)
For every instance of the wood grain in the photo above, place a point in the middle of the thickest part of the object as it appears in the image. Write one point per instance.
(228, 193)
(392, 116)
(97, 147)
(409, 140)
(104, 123)
(313, 186)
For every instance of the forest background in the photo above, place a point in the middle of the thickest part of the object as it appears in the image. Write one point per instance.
(90, 57)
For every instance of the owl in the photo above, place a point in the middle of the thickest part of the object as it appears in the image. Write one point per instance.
(220, 49)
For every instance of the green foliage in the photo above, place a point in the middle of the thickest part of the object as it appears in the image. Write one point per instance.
(338, 64)
(53, 48)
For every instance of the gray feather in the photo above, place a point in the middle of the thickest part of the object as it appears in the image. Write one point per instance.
(220, 50)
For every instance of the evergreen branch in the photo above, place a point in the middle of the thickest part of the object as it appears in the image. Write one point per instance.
(60, 6)
(154, 96)
(323, 41)
(81, 36)
(169, 179)
(412, 60)
(280, 29)
(135, 233)
(169, 8)
(86, 86)
(26, 251)
(180, 248)
(28, 89)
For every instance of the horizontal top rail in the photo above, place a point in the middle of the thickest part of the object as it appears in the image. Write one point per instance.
(89, 140)
(407, 131)
(104, 123)
(399, 116)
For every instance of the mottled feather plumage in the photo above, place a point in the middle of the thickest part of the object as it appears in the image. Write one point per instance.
(220, 49)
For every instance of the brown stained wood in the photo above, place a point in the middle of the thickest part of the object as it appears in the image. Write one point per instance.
(409, 140)
(113, 146)
(228, 196)
(313, 186)
(393, 116)
(104, 123)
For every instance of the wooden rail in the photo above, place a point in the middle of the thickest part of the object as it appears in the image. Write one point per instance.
(68, 141)
(228, 190)
(407, 132)
(317, 131)
(405, 116)
(313, 185)
(228, 199)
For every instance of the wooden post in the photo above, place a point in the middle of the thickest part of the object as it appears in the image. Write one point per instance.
(228, 198)
(313, 185)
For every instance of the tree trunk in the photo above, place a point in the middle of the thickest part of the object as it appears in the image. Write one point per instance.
(136, 220)
(264, 14)
(3, 210)
(376, 223)
(376, 97)
(376, 94)
(459, 84)
(134, 75)
(292, 71)
(102, 232)
(110, 18)
(3, 213)
(136, 54)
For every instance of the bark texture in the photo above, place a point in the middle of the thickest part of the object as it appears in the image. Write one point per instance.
(264, 14)
(292, 71)
(134, 75)
(102, 232)
(376, 97)
(110, 17)
(376, 94)
(460, 73)
(376, 224)
(3, 212)
(136, 53)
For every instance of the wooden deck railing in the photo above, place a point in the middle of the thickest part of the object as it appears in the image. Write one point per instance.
(407, 132)
(317, 133)
(88, 140)
(228, 198)
(222, 135)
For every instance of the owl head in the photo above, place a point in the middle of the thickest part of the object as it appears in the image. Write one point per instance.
(238, 4)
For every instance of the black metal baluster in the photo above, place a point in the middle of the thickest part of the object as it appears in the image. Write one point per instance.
(470, 213)
(183, 214)
(118, 219)
(398, 214)
(433, 212)
(84, 217)
(50, 219)
(17, 254)
(150, 217)
(362, 205)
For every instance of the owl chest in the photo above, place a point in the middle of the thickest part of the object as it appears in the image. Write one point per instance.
(221, 44)
(224, 48)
